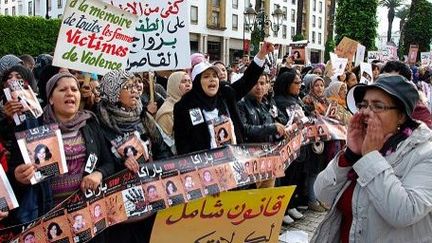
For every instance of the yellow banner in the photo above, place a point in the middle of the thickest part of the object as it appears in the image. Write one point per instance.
(234, 216)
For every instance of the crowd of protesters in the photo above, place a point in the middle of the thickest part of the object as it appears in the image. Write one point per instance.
(376, 185)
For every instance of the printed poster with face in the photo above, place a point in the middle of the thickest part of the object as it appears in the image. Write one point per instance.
(174, 190)
(16, 90)
(192, 185)
(79, 217)
(34, 234)
(155, 195)
(57, 228)
(209, 181)
(412, 54)
(366, 75)
(8, 200)
(161, 40)
(43, 147)
(131, 146)
(339, 65)
(94, 37)
(97, 208)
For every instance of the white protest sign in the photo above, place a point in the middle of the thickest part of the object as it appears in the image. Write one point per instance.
(338, 64)
(94, 37)
(366, 75)
(373, 55)
(360, 54)
(426, 58)
(162, 34)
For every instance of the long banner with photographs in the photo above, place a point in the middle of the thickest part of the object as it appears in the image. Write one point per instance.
(162, 184)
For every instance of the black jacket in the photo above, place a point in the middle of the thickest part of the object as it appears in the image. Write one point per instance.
(36, 200)
(190, 138)
(158, 150)
(258, 120)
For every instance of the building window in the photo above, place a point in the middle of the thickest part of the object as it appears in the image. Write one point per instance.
(30, 8)
(6, 11)
(59, 4)
(216, 3)
(319, 22)
(235, 22)
(292, 31)
(235, 4)
(194, 15)
(319, 38)
(285, 13)
(293, 2)
(13, 11)
(293, 15)
(6, 1)
(313, 36)
(60, 16)
(215, 18)
(284, 31)
(313, 21)
(320, 6)
(314, 5)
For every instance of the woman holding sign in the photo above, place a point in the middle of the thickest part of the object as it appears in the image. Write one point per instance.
(380, 185)
(121, 112)
(83, 144)
(212, 104)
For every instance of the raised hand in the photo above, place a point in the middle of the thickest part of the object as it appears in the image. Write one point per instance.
(266, 48)
(356, 133)
(375, 137)
(12, 107)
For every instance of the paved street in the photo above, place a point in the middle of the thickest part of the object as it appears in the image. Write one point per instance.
(308, 224)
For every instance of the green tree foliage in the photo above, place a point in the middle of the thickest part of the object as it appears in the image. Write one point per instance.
(357, 20)
(329, 47)
(298, 37)
(28, 35)
(418, 27)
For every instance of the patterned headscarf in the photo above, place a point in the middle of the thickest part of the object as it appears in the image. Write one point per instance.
(8, 61)
(112, 83)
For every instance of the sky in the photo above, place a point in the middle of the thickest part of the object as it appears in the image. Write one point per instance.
(383, 22)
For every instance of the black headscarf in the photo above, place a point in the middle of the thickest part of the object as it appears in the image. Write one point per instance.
(25, 73)
(208, 103)
(283, 82)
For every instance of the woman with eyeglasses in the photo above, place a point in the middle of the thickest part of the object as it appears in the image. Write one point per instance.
(380, 185)
(121, 112)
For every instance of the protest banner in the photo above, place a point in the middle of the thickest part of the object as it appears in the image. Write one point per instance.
(346, 49)
(257, 217)
(128, 196)
(426, 58)
(94, 37)
(161, 41)
(412, 54)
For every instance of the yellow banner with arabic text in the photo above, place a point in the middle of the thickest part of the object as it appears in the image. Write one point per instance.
(234, 216)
